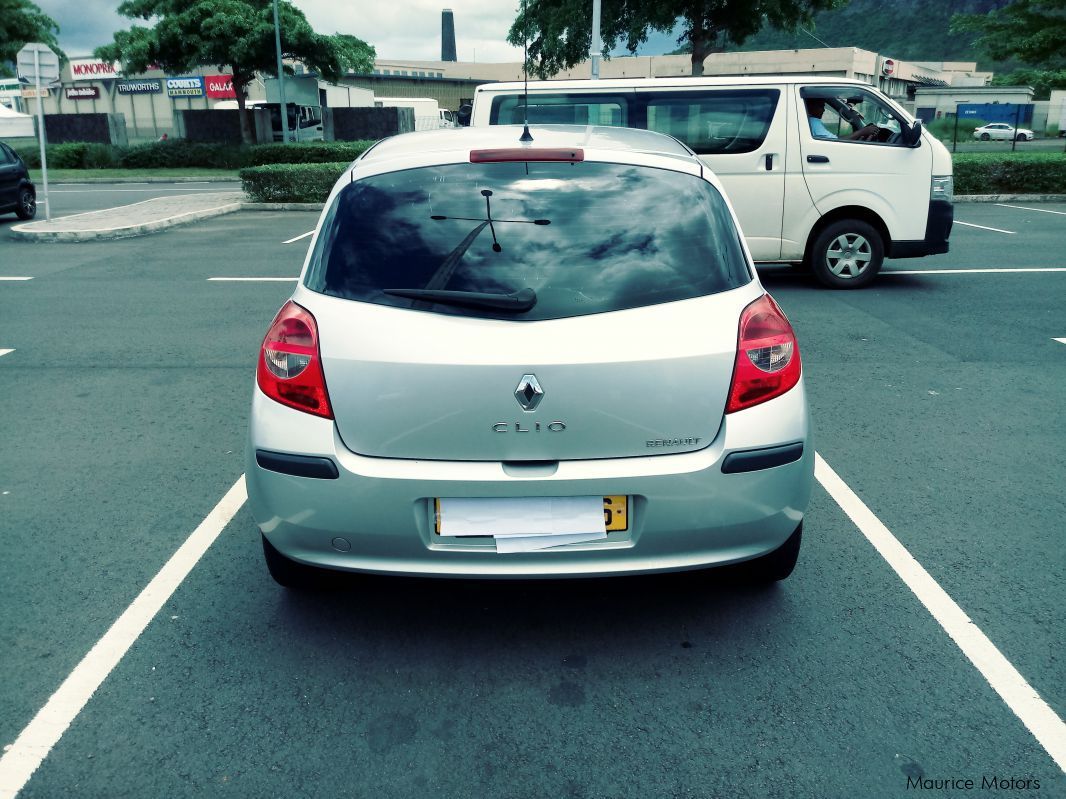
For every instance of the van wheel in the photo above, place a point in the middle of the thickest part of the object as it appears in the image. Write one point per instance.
(777, 565)
(847, 254)
(289, 573)
(27, 207)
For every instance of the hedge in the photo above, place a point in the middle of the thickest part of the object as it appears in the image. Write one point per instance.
(1000, 173)
(291, 183)
(179, 153)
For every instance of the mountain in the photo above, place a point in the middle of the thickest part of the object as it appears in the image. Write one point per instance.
(912, 30)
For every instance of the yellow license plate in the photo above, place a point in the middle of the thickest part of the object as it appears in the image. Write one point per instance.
(615, 513)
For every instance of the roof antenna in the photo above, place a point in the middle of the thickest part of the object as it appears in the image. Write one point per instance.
(526, 136)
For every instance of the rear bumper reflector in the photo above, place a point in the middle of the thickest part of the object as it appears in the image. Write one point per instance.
(753, 460)
(297, 465)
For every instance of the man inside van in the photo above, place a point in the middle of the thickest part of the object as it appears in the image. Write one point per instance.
(815, 109)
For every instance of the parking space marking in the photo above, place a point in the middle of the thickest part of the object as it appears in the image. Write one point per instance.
(983, 227)
(99, 191)
(47, 727)
(253, 279)
(1023, 269)
(302, 235)
(21, 278)
(1060, 340)
(1021, 207)
(1048, 729)
(5, 352)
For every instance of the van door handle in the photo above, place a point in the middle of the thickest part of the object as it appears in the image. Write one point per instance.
(769, 162)
(817, 159)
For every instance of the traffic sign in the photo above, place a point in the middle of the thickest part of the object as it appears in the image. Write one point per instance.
(37, 60)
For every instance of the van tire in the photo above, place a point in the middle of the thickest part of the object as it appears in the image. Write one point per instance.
(847, 254)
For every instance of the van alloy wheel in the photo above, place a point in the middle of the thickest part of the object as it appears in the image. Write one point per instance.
(847, 254)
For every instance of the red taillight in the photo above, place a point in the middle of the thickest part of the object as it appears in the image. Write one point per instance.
(290, 366)
(526, 154)
(768, 358)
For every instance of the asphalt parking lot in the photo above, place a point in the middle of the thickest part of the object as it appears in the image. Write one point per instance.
(126, 371)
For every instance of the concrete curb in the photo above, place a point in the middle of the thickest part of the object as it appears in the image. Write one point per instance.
(1014, 198)
(282, 206)
(188, 179)
(125, 231)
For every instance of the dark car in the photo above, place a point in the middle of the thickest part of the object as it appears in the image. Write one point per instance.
(17, 192)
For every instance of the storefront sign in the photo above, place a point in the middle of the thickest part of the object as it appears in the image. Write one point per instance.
(185, 87)
(29, 91)
(86, 68)
(889, 66)
(82, 93)
(220, 87)
(139, 86)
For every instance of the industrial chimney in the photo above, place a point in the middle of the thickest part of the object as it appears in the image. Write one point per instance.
(447, 36)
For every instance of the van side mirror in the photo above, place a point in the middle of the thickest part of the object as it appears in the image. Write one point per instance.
(912, 134)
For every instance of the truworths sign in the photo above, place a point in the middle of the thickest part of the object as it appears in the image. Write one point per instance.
(148, 86)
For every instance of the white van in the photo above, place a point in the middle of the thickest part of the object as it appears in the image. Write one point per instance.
(839, 194)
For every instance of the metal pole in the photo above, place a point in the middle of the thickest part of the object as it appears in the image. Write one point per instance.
(281, 78)
(955, 137)
(40, 134)
(1014, 138)
(597, 42)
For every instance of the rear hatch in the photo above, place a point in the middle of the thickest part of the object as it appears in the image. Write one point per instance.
(528, 311)
(410, 384)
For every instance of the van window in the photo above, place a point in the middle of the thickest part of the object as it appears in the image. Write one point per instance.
(563, 109)
(844, 112)
(718, 121)
(587, 238)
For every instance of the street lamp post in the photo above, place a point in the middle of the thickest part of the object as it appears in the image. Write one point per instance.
(281, 78)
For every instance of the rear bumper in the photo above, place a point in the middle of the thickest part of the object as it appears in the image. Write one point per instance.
(685, 512)
(937, 230)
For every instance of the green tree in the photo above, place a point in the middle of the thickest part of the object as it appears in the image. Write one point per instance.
(1042, 80)
(238, 34)
(1033, 31)
(559, 32)
(22, 22)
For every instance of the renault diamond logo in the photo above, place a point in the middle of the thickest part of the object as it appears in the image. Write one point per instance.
(529, 393)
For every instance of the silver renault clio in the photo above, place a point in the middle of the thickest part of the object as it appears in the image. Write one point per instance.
(529, 358)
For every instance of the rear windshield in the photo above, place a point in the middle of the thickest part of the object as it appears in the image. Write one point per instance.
(579, 238)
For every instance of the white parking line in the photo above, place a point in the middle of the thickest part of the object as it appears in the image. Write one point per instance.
(30, 278)
(1024, 269)
(982, 227)
(302, 235)
(253, 279)
(1048, 729)
(1018, 207)
(5, 352)
(40, 735)
(1060, 340)
(166, 187)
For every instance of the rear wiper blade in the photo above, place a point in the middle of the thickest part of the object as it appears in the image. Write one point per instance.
(517, 301)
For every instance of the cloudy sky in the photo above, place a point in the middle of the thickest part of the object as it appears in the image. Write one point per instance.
(400, 29)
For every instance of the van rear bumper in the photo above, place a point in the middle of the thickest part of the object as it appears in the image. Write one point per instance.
(937, 230)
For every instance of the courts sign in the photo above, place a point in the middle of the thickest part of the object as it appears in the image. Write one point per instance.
(139, 86)
(220, 87)
(185, 87)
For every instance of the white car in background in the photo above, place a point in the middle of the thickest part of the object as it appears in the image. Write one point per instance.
(1002, 131)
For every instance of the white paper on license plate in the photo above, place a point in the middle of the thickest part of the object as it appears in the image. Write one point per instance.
(528, 516)
(531, 543)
